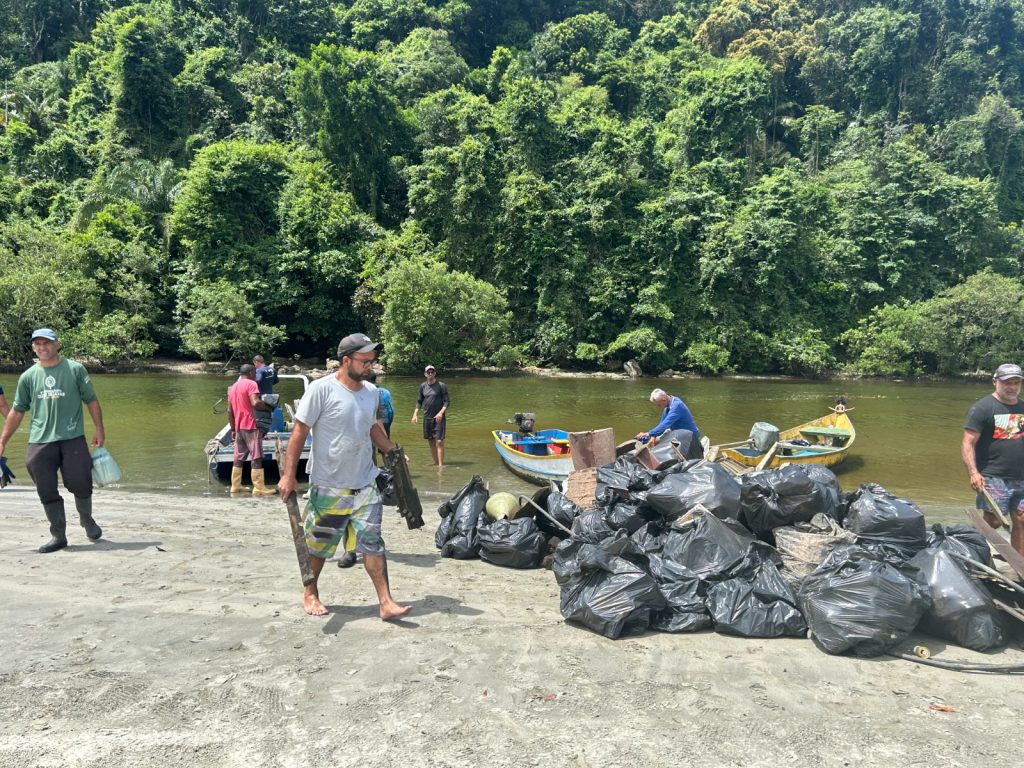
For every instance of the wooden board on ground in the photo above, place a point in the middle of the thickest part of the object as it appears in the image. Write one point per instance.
(998, 541)
(581, 487)
(592, 448)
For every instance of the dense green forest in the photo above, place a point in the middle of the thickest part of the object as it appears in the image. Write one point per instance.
(798, 186)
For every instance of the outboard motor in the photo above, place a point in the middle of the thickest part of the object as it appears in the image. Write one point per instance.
(525, 422)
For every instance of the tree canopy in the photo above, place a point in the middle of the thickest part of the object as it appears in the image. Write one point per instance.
(709, 185)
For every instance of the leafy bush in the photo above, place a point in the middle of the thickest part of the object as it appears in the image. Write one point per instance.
(706, 357)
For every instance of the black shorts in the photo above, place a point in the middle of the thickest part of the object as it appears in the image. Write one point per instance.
(432, 429)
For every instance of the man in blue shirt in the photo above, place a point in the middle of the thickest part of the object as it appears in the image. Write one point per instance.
(674, 416)
(266, 376)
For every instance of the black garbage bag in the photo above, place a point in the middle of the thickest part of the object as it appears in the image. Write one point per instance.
(650, 537)
(709, 548)
(684, 594)
(575, 555)
(859, 602)
(961, 610)
(516, 543)
(629, 517)
(698, 483)
(877, 516)
(591, 527)
(961, 539)
(613, 596)
(774, 498)
(444, 531)
(465, 508)
(826, 478)
(562, 509)
(386, 487)
(753, 600)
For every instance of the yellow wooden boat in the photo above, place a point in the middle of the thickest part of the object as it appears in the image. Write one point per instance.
(825, 441)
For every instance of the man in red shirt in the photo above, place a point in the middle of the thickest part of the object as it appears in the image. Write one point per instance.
(243, 397)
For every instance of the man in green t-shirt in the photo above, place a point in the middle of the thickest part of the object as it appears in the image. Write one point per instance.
(54, 389)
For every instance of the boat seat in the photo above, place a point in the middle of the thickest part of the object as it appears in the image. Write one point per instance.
(825, 432)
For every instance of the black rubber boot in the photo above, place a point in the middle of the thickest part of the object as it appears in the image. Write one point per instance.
(84, 507)
(58, 526)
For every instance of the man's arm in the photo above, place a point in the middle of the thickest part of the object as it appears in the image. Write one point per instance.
(380, 438)
(10, 427)
(296, 442)
(100, 436)
(257, 403)
(231, 421)
(444, 403)
(967, 454)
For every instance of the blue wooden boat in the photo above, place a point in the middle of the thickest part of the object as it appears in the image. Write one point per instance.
(538, 457)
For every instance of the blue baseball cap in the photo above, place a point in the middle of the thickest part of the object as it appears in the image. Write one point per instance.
(44, 333)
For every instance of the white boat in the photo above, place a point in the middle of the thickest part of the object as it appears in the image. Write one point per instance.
(220, 449)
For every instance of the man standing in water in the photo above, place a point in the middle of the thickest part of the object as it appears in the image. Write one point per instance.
(992, 448)
(433, 400)
(54, 389)
(344, 502)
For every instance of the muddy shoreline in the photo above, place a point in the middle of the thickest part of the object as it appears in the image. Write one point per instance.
(179, 639)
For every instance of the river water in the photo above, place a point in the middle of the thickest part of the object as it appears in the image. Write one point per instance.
(908, 433)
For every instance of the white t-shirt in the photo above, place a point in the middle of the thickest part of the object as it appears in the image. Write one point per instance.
(342, 454)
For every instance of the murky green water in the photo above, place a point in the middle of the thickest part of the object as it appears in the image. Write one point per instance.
(907, 433)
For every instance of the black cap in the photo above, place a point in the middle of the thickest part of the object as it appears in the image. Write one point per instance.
(357, 342)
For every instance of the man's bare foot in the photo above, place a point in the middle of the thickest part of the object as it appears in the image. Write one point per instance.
(313, 606)
(393, 611)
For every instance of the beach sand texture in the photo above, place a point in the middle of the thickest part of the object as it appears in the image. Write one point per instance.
(179, 640)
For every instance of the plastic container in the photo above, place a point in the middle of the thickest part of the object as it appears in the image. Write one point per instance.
(104, 469)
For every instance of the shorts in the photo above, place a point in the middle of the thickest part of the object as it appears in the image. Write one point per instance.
(1007, 493)
(432, 430)
(334, 515)
(248, 445)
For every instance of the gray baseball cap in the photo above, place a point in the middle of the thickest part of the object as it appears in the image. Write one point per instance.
(1008, 371)
(357, 342)
(46, 333)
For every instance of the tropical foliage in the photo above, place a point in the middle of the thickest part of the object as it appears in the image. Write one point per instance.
(711, 185)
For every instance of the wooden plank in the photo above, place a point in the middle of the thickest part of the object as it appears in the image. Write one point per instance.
(592, 448)
(995, 509)
(299, 540)
(408, 498)
(767, 458)
(998, 542)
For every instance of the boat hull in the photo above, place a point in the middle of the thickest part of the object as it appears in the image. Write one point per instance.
(220, 452)
(534, 468)
(831, 438)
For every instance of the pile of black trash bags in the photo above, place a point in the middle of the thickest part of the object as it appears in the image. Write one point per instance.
(691, 547)
(466, 532)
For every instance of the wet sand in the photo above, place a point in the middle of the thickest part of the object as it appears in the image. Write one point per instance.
(179, 640)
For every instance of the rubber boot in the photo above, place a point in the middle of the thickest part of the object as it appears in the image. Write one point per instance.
(236, 480)
(58, 526)
(84, 506)
(258, 486)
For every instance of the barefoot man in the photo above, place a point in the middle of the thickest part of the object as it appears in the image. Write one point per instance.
(344, 504)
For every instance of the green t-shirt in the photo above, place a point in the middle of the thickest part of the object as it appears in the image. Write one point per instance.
(55, 396)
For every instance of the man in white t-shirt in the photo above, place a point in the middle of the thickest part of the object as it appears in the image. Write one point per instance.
(344, 505)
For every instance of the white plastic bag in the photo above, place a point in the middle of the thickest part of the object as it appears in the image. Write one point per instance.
(104, 469)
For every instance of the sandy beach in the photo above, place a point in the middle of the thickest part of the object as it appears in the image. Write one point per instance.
(179, 640)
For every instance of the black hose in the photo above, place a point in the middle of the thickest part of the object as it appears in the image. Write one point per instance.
(963, 666)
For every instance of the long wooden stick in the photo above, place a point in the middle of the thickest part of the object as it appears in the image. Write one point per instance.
(995, 507)
(990, 571)
(544, 512)
(295, 521)
(767, 459)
